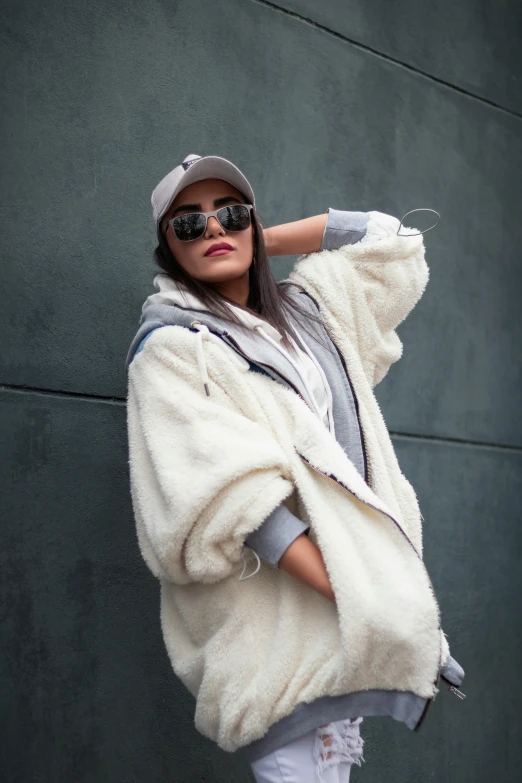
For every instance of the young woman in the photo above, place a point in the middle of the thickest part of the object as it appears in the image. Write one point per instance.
(253, 428)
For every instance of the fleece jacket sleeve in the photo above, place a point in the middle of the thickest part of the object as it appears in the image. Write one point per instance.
(366, 287)
(203, 476)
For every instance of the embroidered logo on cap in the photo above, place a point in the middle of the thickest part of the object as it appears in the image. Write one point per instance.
(188, 163)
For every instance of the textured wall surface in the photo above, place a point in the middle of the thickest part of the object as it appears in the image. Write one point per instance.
(354, 105)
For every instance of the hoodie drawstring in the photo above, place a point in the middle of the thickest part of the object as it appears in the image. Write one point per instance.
(203, 332)
(242, 578)
(200, 356)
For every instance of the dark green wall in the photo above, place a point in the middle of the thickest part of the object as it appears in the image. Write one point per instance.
(363, 104)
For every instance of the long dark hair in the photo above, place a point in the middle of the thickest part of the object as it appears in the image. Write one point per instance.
(266, 298)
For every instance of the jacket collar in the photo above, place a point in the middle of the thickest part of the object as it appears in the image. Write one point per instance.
(172, 293)
(246, 342)
(173, 305)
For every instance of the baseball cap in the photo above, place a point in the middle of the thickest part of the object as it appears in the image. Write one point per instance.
(192, 169)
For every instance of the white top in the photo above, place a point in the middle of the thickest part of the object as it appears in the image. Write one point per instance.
(314, 380)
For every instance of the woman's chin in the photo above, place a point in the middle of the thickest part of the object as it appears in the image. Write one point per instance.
(223, 270)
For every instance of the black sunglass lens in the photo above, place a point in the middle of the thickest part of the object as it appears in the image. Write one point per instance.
(234, 218)
(189, 226)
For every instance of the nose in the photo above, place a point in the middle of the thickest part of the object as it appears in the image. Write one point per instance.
(214, 228)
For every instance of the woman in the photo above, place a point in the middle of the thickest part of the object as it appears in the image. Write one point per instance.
(253, 427)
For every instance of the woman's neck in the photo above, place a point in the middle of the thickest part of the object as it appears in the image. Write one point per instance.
(237, 290)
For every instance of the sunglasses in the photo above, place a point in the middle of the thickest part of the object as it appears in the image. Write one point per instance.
(236, 217)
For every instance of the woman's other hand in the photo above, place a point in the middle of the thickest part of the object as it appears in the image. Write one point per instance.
(304, 561)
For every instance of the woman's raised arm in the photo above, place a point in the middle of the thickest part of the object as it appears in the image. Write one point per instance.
(296, 238)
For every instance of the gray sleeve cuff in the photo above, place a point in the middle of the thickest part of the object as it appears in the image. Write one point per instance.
(343, 228)
(276, 534)
(452, 671)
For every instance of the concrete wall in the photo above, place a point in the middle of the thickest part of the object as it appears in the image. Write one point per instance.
(364, 104)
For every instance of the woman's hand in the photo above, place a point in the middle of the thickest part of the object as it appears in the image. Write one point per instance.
(297, 238)
(304, 561)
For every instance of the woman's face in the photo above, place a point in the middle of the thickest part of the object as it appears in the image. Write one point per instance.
(206, 196)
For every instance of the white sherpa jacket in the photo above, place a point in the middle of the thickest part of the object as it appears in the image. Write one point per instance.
(206, 471)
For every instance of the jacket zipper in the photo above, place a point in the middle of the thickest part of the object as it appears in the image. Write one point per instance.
(340, 483)
(425, 711)
(453, 688)
(332, 478)
(264, 364)
(368, 481)
(366, 503)
(361, 430)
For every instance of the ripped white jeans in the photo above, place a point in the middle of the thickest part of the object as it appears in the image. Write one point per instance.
(322, 755)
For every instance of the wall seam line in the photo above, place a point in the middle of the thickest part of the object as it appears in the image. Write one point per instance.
(11, 387)
(121, 401)
(455, 441)
(388, 58)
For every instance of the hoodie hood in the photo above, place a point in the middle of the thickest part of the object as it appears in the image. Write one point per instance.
(174, 305)
(172, 293)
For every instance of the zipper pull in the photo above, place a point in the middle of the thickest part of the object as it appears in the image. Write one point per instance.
(456, 691)
(453, 688)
